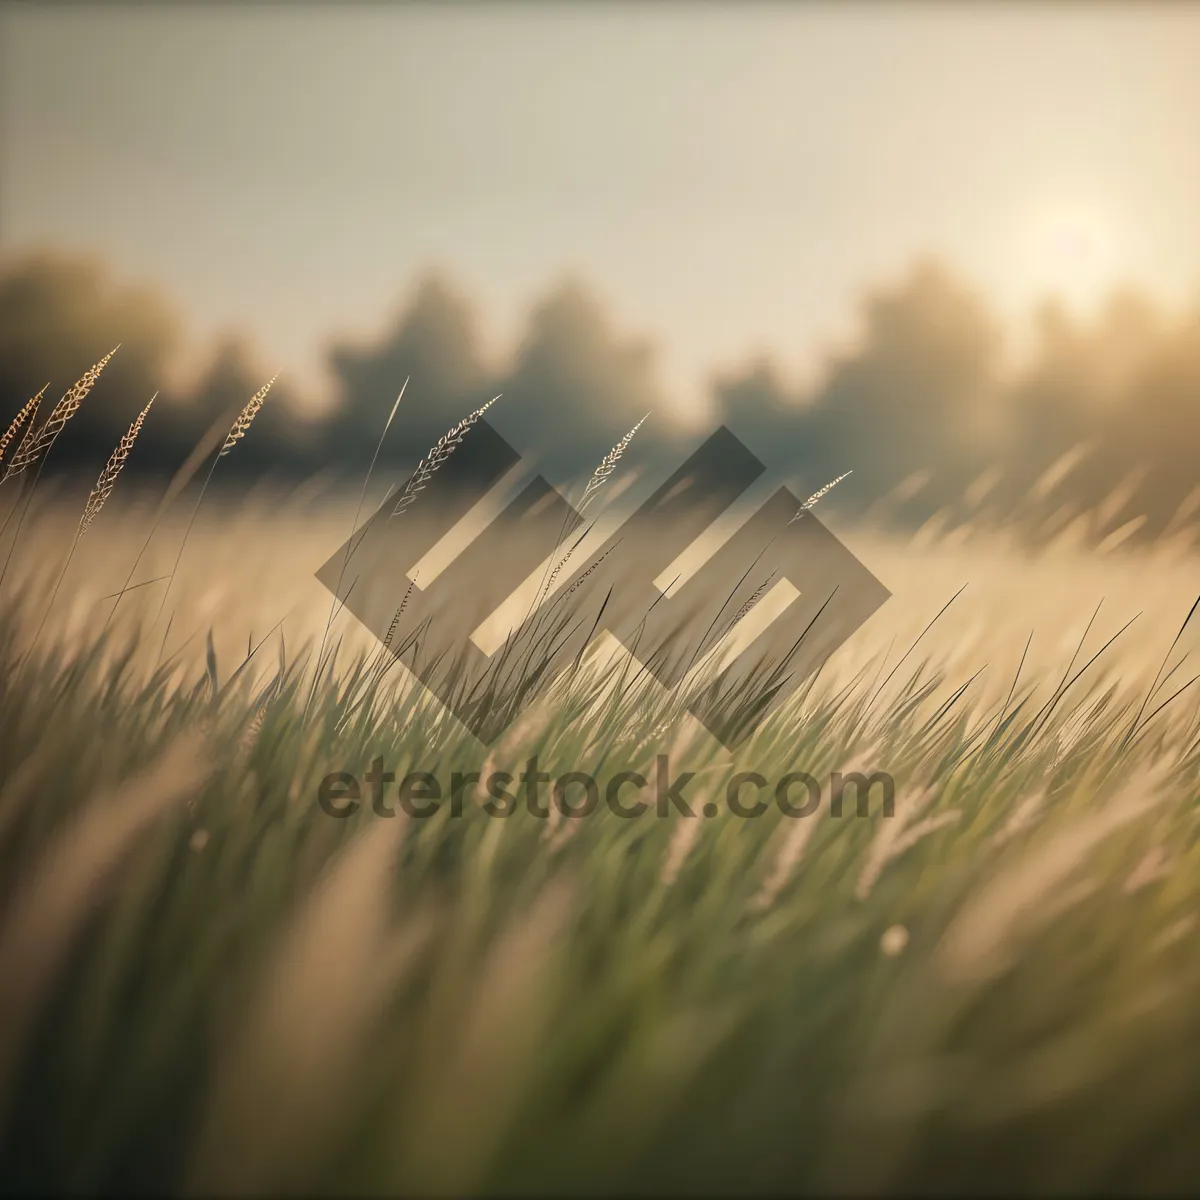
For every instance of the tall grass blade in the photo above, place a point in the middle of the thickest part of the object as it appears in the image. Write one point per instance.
(436, 458)
(52, 902)
(34, 451)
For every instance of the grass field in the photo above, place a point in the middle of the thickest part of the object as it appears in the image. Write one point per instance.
(208, 984)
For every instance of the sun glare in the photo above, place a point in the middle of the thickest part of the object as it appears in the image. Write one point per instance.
(1076, 256)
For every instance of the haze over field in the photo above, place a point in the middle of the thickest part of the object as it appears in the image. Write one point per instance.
(953, 249)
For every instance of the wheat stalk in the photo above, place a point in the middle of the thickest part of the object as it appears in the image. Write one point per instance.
(246, 417)
(182, 477)
(817, 496)
(380, 664)
(236, 433)
(754, 599)
(605, 469)
(351, 545)
(437, 457)
(767, 896)
(597, 481)
(100, 493)
(35, 447)
(113, 468)
(391, 633)
(29, 431)
(575, 584)
(63, 411)
(24, 418)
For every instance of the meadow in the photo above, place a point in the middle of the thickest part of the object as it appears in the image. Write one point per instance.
(209, 985)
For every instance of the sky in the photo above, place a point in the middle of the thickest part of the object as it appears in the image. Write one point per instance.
(729, 178)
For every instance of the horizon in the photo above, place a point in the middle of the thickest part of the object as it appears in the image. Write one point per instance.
(1037, 153)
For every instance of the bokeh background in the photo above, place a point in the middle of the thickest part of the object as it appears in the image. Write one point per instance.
(952, 248)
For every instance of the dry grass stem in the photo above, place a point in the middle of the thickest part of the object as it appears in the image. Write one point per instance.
(597, 481)
(981, 940)
(436, 458)
(246, 417)
(818, 494)
(683, 840)
(22, 423)
(32, 450)
(108, 477)
(53, 901)
(282, 1077)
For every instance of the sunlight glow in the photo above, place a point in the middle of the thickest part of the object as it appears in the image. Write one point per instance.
(1077, 255)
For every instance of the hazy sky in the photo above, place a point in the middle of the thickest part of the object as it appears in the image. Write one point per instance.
(729, 177)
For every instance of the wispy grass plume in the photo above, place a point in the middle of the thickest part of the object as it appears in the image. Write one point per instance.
(594, 485)
(391, 633)
(755, 597)
(605, 469)
(436, 458)
(99, 494)
(22, 423)
(350, 544)
(482, 1075)
(182, 477)
(237, 431)
(246, 418)
(51, 904)
(115, 465)
(35, 447)
(982, 939)
(895, 836)
(34, 451)
(817, 495)
(281, 1080)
